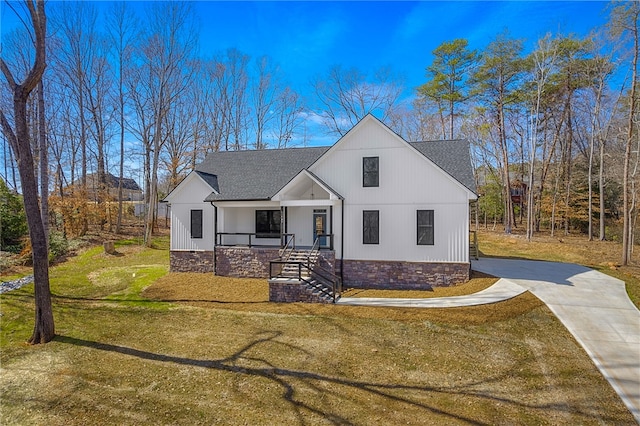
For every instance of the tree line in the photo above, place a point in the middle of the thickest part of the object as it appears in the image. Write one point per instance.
(555, 131)
(557, 124)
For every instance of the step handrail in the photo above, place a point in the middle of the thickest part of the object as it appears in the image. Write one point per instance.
(325, 274)
(290, 247)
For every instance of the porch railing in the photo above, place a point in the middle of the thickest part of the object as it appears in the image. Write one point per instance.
(307, 273)
(253, 239)
(474, 251)
(328, 241)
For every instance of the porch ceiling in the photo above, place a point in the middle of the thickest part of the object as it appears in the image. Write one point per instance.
(308, 189)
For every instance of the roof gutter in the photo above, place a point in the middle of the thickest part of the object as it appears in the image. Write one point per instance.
(341, 242)
(215, 237)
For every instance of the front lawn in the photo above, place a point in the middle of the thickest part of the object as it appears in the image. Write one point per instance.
(136, 345)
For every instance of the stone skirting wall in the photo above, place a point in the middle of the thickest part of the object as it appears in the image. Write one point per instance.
(191, 261)
(327, 260)
(292, 291)
(244, 262)
(403, 275)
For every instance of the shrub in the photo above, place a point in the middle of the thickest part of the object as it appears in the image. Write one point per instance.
(58, 245)
(13, 220)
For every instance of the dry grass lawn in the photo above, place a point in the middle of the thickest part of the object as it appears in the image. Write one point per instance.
(138, 346)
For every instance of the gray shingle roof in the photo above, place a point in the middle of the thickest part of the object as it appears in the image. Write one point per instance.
(210, 179)
(453, 156)
(258, 175)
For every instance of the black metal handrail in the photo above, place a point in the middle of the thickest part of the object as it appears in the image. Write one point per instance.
(330, 237)
(333, 279)
(474, 251)
(250, 243)
(287, 250)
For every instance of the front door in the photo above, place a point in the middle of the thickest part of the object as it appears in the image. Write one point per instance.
(320, 226)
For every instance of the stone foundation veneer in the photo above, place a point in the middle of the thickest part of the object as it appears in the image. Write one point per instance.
(191, 261)
(292, 291)
(403, 275)
(244, 262)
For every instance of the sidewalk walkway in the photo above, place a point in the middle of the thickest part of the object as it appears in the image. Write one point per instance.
(594, 307)
(501, 290)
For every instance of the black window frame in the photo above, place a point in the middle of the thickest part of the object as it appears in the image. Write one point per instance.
(371, 227)
(272, 228)
(426, 228)
(370, 172)
(196, 223)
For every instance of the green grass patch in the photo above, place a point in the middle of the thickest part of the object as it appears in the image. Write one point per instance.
(92, 277)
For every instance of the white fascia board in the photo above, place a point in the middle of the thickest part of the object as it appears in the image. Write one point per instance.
(369, 117)
(185, 183)
(251, 204)
(308, 203)
(335, 146)
(300, 176)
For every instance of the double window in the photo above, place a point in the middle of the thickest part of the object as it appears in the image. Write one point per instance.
(196, 223)
(268, 223)
(370, 227)
(370, 171)
(425, 227)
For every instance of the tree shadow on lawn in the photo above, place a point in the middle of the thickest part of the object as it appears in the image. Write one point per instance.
(285, 379)
(151, 301)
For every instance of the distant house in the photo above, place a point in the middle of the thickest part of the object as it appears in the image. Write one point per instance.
(130, 189)
(373, 210)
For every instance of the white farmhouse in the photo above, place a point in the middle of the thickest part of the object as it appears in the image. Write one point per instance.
(370, 211)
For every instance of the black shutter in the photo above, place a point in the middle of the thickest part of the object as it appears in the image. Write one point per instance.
(196, 223)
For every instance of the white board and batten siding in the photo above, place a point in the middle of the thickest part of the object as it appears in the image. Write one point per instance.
(183, 199)
(240, 217)
(408, 182)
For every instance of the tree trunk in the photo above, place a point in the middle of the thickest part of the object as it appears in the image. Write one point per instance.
(44, 163)
(43, 330)
(626, 224)
(602, 235)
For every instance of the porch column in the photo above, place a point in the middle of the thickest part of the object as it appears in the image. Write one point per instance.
(331, 226)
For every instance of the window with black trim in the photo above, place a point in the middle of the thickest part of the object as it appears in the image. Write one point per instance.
(370, 227)
(196, 223)
(425, 227)
(370, 171)
(268, 223)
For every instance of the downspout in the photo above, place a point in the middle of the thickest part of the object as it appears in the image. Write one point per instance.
(342, 242)
(215, 237)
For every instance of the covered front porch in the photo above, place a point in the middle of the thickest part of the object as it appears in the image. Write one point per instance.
(303, 214)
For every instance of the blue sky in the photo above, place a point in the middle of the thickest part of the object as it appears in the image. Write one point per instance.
(306, 38)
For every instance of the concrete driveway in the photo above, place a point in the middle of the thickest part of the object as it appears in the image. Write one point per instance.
(595, 309)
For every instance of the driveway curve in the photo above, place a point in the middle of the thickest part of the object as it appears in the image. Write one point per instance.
(596, 310)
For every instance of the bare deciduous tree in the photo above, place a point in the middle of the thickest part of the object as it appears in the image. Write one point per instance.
(18, 137)
(348, 95)
(624, 23)
(166, 53)
(122, 34)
